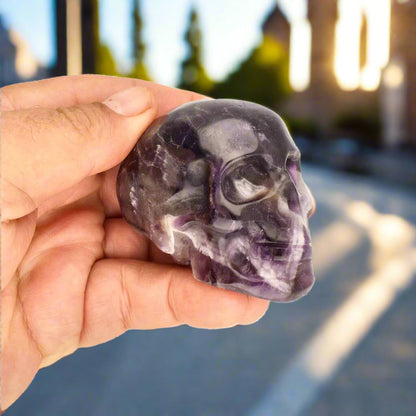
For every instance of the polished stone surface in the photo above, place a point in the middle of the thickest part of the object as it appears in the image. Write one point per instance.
(217, 184)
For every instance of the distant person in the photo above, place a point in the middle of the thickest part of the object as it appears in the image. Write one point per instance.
(74, 274)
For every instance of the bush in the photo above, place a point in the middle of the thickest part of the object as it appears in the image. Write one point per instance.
(302, 127)
(261, 78)
(364, 126)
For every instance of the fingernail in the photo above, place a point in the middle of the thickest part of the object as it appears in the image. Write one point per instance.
(130, 102)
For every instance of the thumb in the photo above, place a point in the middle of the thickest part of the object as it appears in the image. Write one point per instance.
(46, 151)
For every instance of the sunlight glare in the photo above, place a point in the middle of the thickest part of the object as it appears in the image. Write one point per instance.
(347, 44)
(361, 212)
(300, 54)
(378, 36)
(393, 76)
(378, 42)
(370, 77)
(347, 52)
(300, 43)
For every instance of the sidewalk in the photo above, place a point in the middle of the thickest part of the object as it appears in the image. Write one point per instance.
(393, 166)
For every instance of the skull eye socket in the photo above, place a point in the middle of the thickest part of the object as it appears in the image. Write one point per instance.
(246, 180)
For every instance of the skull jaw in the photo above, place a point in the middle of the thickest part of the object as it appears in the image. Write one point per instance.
(209, 271)
(276, 271)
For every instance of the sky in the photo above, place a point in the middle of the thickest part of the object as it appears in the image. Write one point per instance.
(20, 15)
(231, 28)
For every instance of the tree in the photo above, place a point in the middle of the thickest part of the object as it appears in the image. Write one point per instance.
(139, 68)
(106, 64)
(104, 60)
(193, 75)
(263, 77)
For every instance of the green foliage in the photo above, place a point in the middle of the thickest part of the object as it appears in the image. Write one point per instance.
(363, 125)
(105, 62)
(302, 127)
(139, 71)
(139, 68)
(262, 77)
(193, 75)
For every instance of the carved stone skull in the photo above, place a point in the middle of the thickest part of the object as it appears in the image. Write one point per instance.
(217, 184)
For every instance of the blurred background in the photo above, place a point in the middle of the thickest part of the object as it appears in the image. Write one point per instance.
(342, 73)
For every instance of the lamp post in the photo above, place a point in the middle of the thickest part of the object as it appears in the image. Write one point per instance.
(76, 23)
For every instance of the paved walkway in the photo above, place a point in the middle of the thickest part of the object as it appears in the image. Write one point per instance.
(348, 348)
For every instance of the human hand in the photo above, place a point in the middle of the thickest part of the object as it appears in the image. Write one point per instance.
(74, 274)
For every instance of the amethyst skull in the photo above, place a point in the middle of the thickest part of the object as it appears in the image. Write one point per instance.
(217, 184)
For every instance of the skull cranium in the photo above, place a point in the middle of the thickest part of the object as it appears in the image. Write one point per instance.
(217, 184)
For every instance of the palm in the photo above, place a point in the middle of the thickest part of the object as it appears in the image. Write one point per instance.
(54, 274)
(74, 274)
(46, 296)
(74, 230)
(49, 286)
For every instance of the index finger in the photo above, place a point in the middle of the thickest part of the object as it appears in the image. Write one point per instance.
(75, 90)
(123, 294)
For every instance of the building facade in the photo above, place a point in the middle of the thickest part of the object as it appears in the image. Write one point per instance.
(403, 68)
(324, 101)
(17, 62)
(8, 73)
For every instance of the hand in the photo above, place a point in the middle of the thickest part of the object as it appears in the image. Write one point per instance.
(74, 274)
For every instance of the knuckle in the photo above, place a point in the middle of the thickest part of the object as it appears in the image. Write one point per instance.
(125, 302)
(86, 121)
(170, 299)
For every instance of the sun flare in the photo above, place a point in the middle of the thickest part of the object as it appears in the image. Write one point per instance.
(350, 73)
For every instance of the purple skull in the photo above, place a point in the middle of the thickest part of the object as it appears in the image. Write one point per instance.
(217, 184)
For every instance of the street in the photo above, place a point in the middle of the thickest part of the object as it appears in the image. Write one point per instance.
(348, 348)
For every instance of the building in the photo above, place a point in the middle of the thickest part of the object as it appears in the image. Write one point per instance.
(17, 62)
(277, 25)
(328, 105)
(399, 86)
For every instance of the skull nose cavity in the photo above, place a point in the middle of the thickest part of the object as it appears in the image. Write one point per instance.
(240, 262)
(293, 168)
